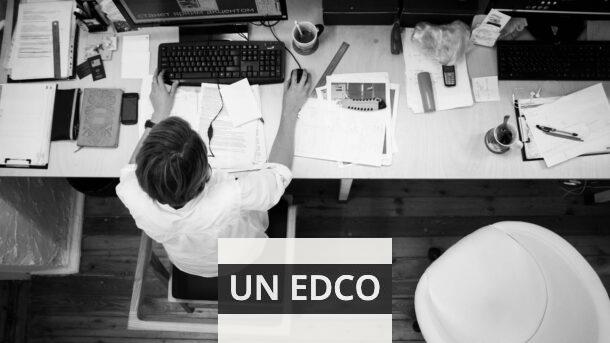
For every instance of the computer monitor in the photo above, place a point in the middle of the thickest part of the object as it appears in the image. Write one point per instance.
(555, 19)
(198, 12)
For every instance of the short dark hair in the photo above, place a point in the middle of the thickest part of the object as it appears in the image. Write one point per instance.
(172, 164)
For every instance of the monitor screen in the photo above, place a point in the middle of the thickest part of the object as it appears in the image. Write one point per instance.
(155, 12)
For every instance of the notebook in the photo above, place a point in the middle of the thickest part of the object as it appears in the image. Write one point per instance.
(65, 115)
(26, 114)
(43, 41)
(100, 115)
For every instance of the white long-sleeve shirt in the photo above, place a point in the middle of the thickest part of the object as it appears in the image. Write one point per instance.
(227, 208)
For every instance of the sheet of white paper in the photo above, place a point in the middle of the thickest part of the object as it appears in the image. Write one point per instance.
(445, 97)
(240, 102)
(485, 89)
(233, 148)
(135, 57)
(186, 104)
(26, 112)
(321, 92)
(395, 95)
(32, 52)
(359, 86)
(326, 131)
(586, 112)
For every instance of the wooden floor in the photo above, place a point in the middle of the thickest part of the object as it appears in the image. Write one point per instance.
(92, 306)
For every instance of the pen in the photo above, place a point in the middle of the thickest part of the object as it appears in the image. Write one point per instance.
(550, 129)
(558, 135)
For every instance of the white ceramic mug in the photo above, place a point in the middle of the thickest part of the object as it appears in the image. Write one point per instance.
(311, 31)
(500, 138)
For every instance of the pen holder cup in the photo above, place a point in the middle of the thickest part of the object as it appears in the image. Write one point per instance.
(501, 138)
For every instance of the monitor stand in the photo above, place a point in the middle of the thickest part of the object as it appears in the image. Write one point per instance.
(195, 33)
(556, 29)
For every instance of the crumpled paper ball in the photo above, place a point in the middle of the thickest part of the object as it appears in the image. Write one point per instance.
(446, 44)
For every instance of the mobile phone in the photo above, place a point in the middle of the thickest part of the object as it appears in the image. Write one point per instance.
(449, 76)
(129, 108)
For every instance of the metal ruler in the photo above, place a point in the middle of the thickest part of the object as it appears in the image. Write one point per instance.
(56, 61)
(331, 66)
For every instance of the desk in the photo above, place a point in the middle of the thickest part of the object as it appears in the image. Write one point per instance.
(441, 145)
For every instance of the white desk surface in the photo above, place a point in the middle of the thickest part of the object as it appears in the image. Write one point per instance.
(440, 145)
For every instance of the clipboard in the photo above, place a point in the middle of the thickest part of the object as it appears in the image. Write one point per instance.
(26, 115)
(523, 129)
(71, 76)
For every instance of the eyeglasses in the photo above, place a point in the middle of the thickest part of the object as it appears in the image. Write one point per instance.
(211, 127)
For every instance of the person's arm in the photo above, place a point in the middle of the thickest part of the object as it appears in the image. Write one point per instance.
(162, 101)
(295, 95)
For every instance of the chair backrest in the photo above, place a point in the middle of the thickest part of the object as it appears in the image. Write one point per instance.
(146, 257)
(512, 280)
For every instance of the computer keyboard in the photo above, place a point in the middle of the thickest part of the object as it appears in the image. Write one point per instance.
(222, 61)
(534, 60)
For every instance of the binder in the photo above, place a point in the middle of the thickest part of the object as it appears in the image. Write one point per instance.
(52, 62)
(26, 115)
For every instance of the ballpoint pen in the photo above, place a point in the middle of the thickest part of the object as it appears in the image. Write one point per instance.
(550, 129)
(559, 133)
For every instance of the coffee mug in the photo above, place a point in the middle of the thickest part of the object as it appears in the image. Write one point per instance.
(305, 41)
(500, 138)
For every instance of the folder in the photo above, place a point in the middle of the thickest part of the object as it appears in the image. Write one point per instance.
(26, 115)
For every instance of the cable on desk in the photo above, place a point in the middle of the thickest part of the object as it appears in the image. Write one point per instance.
(211, 128)
(270, 27)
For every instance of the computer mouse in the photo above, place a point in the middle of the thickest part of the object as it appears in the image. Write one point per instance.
(299, 74)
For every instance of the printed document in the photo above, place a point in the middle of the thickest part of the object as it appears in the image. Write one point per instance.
(32, 51)
(586, 112)
(232, 147)
(329, 132)
(186, 104)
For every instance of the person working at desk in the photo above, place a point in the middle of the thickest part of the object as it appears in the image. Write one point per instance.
(180, 201)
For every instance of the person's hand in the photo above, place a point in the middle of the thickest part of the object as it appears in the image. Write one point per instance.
(296, 93)
(162, 100)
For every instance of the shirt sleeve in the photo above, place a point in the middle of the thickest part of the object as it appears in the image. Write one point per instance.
(140, 205)
(262, 189)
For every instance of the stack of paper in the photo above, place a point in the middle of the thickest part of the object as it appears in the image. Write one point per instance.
(233, 147)
(445, 98)
(135, 57)
(328, 130)
(26, 115)
(237, 143)
(586, 112)
(37, 52)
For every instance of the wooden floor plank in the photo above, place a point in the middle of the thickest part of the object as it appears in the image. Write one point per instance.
(92, 306)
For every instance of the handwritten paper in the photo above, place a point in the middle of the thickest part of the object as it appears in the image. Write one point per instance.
(485, 89)
(586, 112)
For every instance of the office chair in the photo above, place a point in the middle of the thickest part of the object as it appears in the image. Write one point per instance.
(191, 291)
(512, 282)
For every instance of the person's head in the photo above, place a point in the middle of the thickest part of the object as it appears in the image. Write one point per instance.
(172, 164)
